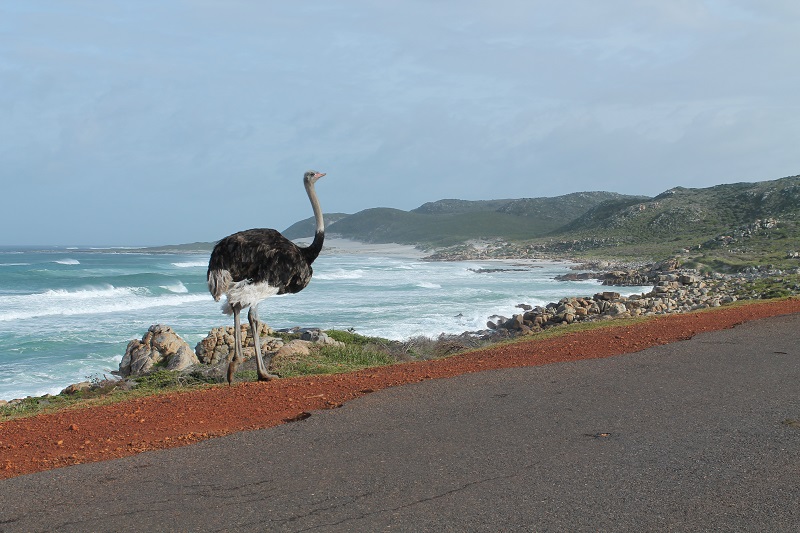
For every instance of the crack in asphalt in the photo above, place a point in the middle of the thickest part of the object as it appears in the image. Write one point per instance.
(397, 508)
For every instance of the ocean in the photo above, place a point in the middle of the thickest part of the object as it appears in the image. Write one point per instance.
(67, 314)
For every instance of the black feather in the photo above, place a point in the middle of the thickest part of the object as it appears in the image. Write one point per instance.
(262, 255)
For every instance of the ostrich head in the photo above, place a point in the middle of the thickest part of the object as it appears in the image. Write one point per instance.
(311, 177)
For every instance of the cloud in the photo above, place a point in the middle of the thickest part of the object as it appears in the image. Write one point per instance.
(215, 109)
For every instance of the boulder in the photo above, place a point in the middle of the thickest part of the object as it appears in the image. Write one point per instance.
(515, 323)
(183, 358)
(159, 345)
(77, 387)
(616, 309)
(219, 344)
(292, 351)
(496, 321)
(319, 337)
(606, 295)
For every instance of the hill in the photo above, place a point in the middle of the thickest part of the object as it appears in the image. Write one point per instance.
(725, 226)
(306, 227)
(450, 222)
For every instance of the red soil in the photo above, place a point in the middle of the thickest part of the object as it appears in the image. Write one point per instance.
(93, 434)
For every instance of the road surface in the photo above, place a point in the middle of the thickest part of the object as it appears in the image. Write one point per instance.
(696, 435)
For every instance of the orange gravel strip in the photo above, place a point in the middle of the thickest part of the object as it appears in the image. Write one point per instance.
(92, 434)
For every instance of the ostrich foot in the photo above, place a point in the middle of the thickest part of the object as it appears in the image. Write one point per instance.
(267, 377)
(232, 366)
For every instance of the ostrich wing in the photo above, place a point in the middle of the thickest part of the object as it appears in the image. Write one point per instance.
(262, 255)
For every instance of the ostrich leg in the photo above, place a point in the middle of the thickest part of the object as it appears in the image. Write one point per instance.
(252, 317)
(238, 357)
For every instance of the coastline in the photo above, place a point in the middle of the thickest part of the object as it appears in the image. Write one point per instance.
(95, 433)
(673, 291)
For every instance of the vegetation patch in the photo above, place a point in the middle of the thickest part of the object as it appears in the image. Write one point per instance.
(334, 360)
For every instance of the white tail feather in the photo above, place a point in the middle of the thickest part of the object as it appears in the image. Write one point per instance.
(218, 282)
(246, 293)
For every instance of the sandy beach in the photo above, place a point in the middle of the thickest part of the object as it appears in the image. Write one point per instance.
(338, 246)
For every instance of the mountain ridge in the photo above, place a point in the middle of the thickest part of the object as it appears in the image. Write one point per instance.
(726, 227)
(451, 221)
(723, 227)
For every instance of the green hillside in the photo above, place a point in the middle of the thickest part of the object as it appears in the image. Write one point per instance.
(306, 227)
(450, 222)
(453, 206)
(723, 227)
(692, 212)
(726, 227)
(383, 225)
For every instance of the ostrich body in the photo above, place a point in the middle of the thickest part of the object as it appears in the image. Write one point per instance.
(254, 264)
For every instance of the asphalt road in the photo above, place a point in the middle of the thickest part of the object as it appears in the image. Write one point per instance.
(697, 435)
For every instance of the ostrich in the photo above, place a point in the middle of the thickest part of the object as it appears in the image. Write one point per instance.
(254, 264)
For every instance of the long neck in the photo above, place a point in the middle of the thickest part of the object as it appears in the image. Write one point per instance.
(313, 250)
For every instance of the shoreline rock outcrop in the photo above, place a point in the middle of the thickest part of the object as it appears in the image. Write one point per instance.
(219, 344)
(160, 347)
(674, 291)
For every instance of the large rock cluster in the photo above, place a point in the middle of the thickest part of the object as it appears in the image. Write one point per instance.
(160, 347)
(673, 293)
(219, 344)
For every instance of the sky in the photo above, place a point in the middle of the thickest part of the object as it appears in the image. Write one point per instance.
(139, 122)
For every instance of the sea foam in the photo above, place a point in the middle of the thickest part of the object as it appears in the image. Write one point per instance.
(340, 274)
(177, 288)
(87, 301)
(190, 264)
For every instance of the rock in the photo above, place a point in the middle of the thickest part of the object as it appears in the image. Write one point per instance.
(516, 322)
(159, 344)
(3, 402)
(496, 321)
(616, 309)
(294, 349)
(319, 337)
(77, 387)
(183, 358)
(688, 279)
(219, 344)
(606, 295)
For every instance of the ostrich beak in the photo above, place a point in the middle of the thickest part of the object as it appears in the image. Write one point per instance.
(318, 175)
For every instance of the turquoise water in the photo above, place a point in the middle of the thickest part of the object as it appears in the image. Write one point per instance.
(67, 314)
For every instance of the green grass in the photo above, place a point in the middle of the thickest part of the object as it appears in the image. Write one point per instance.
(335, 360)
(354, 338)
(105, 392)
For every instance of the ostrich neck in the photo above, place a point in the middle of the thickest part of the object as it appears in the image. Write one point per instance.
(313, 250)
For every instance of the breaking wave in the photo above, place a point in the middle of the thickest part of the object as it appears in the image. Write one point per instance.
(177, 288)
(191, 264)
(87, 301)
(340, 274)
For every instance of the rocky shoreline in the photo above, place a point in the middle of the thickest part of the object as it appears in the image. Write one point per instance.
(674, 291)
